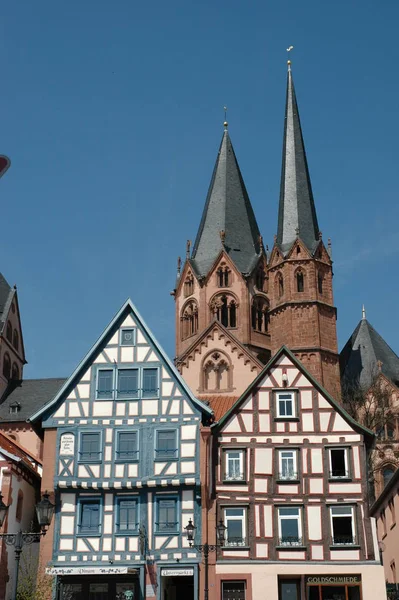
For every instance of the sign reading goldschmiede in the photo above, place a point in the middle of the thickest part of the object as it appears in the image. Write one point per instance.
(333, 579)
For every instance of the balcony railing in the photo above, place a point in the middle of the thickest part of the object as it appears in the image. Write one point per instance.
(290, 541)
(288, 476)
(339, 474)
(234, 477)
(235, 542)
(344, 540)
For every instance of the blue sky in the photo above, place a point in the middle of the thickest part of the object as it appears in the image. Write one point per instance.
(112, 116)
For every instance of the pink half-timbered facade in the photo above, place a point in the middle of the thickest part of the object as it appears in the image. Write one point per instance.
(290, 485)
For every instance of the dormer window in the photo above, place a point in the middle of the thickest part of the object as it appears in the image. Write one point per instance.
(15, 407)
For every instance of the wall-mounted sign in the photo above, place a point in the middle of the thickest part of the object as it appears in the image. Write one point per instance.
(177, 572)
(333, 579)
(67, 444)
(91, 571)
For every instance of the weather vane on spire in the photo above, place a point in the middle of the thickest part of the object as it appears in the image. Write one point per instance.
(225, 117)
(288, 61)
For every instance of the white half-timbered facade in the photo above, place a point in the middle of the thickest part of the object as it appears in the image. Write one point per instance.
(291, 488)
(122, 456)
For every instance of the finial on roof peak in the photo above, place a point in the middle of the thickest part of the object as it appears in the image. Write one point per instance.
(225, 124)
(288, 61)
(363, 312)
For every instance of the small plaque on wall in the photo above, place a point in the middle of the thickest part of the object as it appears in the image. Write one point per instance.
(67, 444)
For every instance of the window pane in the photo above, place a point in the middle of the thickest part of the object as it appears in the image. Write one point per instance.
(338, 463)
(289, 590)
(289, 512)
(127, 515)
(104, 383)
(166, 444)
(235, 532)
(127, 445)
(150, 382)
(98, 591)
(90, 446)
(128, 383)
(333, 592)
(71, 591)
(342, 530)
(233, 590)
(167, 515)
(125, 591)
(234, 512)
(90, 516)
(341, 510)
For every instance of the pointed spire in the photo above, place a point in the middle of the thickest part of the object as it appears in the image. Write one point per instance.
(228, 221)
(297, 208)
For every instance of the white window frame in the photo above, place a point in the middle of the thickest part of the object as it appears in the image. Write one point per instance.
(352, 515)
(345, 450)
(241, 452)
(293, 404)
(242, 518)
(290, 517)
(295, 463)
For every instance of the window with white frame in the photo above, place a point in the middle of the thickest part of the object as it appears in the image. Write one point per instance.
(234, 465)
(235, 520)
(339, 463)
(290, 525)
(343, 525)
(233, 590)
(285, 405)
(287, 467)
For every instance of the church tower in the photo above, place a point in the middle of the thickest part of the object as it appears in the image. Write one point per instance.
(302, 312)
(222, 307)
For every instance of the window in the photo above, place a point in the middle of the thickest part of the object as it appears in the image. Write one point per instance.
(288, 465)
(299, 281)
(320, 283)
(289, 589)
(6, 366)
(235, 521)
(189, 319)
(105, 383)
(89, 516)
(342, 525)
(223, 277)
(289, 526)
(279, 284)
(15, 372)
(224, 308)
(167, 515)
(9, 332)
(15, 340)
(166, 444)
(339, 463)
(387, 474)
(128, 383)
(189, 285)
(233, 590)
(127, 446)
(216, 373)
(285, 405)
(15, 407)
(234, 463)
(260, 280)
(150, 383)
(90, 449)
(259, 315)
(126, 514)
(127, 337)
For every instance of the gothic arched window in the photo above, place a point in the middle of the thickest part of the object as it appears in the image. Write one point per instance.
(320, 283)
(279, 283)
(216, 373)
(189, 285)
(15, 340)
(7, 366)
(387, 474)
(300, 281)
(15, 371)
(259, 314)
(224, 307)
(223, 276)
(260, 280)
(9, 332)
(189, 319)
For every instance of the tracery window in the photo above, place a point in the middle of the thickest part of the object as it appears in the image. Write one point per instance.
(260, 280)
(216, 373)
(7, 366)
(189, 285)
(189, 319)
(223, 276)
(224, 308)
(260, 315)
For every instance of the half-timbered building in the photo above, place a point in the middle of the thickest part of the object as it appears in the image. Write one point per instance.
(121, 458)
(290, 485)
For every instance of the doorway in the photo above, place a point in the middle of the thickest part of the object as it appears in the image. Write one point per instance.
(177, 588)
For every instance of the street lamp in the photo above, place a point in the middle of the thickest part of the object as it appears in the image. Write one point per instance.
(206, 548)
(44, 511)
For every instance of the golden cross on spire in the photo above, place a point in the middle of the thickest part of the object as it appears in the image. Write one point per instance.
(288, 61)
(225, 118)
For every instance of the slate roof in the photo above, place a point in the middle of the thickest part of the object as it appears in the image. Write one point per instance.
(358, 358)
(6, 293)
(30, 394)
(296, 208)
(227, 208)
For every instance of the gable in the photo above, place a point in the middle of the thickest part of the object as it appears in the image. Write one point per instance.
(125, 375)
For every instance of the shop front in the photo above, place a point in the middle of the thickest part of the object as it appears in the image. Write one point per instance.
(98, 583)
(178, 583)
(333, 587)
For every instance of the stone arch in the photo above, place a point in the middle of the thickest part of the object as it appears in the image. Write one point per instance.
(260, 314)
(189, 319)
(216, 372)
(224, 308)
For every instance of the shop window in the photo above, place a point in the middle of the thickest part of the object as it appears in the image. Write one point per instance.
(290, 526)
(235, 520)
(287, 465)
(89, 516)
(126, 515)
(233, 590)
(338, 463)
(127, 446)
(289, 589)
(332, 590)
(234, 465)
(285, 405)
(150, 383)
(166, 444)
(15, 340)
(90, 447)
(189, 319)
(167, 515)
(7, 366)
(342, 525)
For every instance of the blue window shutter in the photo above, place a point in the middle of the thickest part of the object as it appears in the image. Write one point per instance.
(150, 382)
(128, 383)
(105, 383)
